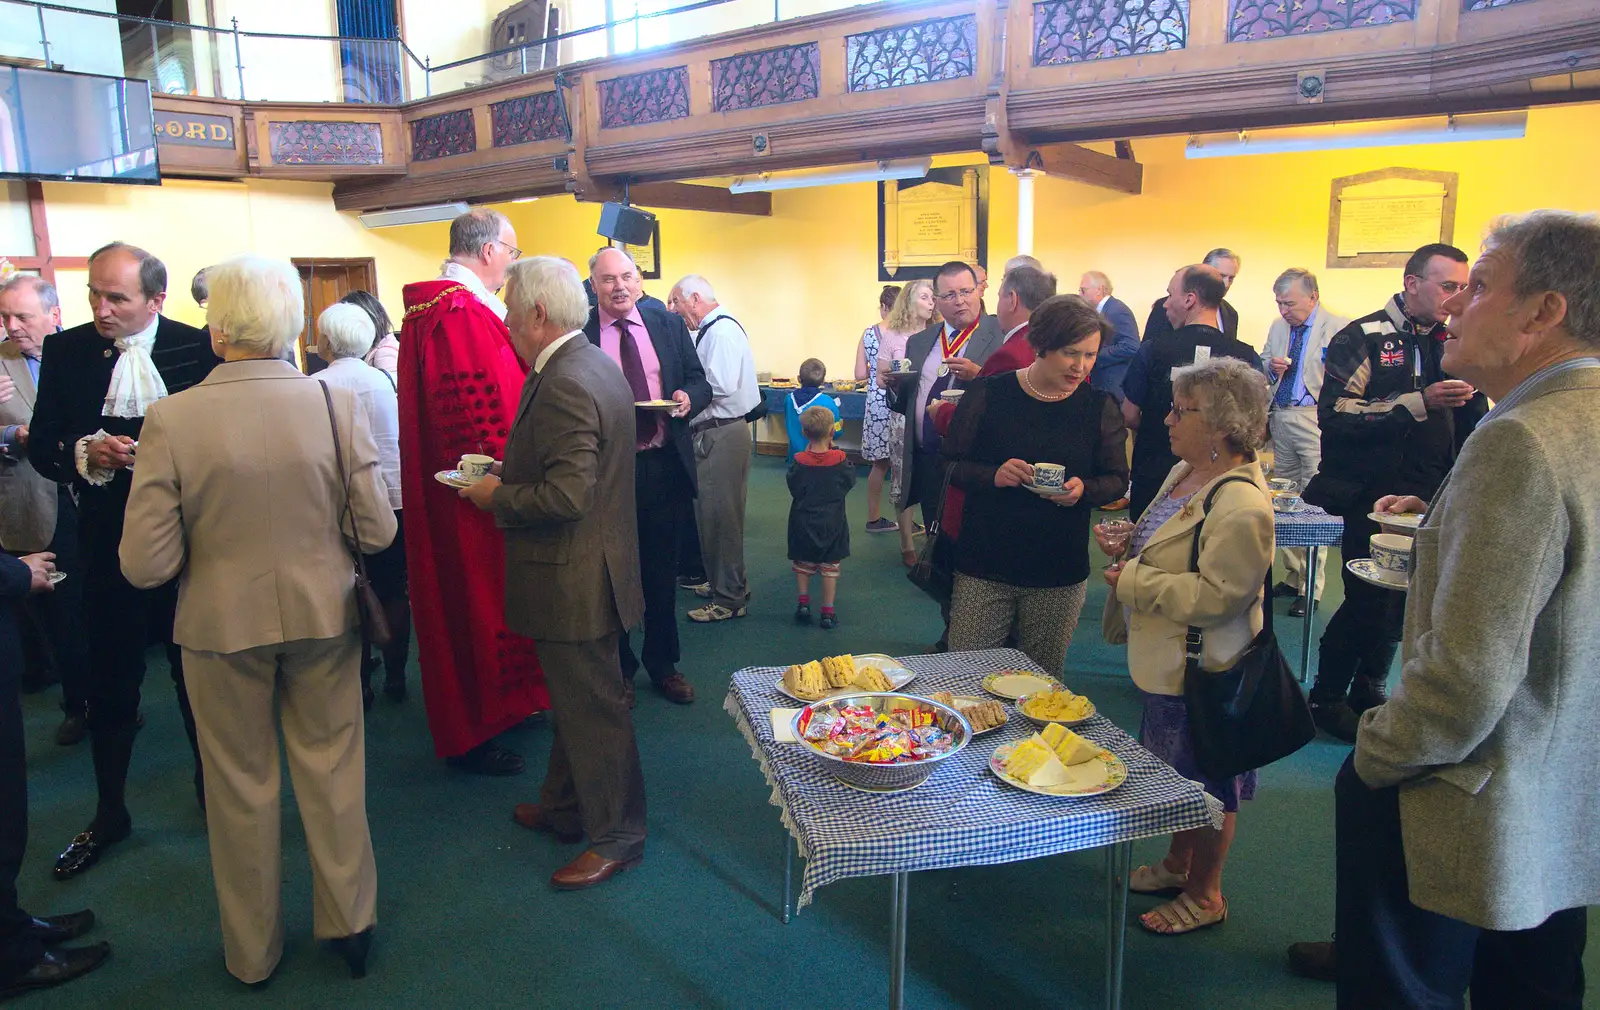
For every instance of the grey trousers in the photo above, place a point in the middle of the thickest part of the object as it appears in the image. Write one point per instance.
(722, 466)
(1296, 456)
(593, 784)
(983, 614)
(317, 687)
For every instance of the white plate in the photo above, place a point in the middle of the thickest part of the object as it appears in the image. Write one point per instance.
(966, 701)
(1011, 685)
(655, 404)
(1399, 521)
(56, 577)
(1102, 774)
(1037, 721)
(1368, 571)
(453, 478)
(898, 676)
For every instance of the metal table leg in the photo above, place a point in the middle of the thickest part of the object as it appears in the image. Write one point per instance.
(1119, 860)
(788, 877)
(899, 886)
(1312, 557)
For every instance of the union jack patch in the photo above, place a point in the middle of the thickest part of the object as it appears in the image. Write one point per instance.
(1392, 359)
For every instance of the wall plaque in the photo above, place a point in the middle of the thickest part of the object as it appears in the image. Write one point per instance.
(926, 223)
(1378, 219)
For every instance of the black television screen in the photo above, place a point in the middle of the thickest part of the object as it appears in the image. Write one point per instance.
(76, 127)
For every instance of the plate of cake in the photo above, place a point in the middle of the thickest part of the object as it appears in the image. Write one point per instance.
(834, 676)
(1058, 762)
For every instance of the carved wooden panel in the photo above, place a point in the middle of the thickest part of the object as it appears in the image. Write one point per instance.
(654, 96)
(527, 119)
(1072, 31)
(899, 55)
(310, 142)
(766, 77)
(444, 135)
(1269, 19)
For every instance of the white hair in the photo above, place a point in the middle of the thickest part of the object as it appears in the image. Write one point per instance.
(256, 304)
(348, 330)
(1021, 260)
(551, 282)
(694, 284)
(1099, 279)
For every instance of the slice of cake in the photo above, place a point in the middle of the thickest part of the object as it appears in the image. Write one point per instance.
(1034, 762)
(1071, 748)
(872, 679)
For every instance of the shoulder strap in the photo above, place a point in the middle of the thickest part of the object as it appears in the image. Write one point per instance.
(344, 476)
(700, 334)
(1193, 639)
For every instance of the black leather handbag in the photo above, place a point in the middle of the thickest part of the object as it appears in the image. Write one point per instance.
(1252, 713)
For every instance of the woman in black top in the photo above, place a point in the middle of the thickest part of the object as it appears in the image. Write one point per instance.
(1023, 556)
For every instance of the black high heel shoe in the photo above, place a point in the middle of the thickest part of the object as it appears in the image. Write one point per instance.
(354, 950)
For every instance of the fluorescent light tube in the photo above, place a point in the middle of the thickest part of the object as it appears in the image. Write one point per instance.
(413, 215)
(767, 182)
(1398, 133)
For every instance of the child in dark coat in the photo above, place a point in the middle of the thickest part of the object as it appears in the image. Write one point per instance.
(819, 534)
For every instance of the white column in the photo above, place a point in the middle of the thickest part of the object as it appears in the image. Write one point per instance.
(1025, 177)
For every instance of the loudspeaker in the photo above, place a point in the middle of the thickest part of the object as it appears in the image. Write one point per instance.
(629, 224)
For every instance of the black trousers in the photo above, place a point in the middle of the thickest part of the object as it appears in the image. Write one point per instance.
(1393, 954)
(1363, 635)
(19, 949)
(664, 501)
(691, 565)
(52, 623)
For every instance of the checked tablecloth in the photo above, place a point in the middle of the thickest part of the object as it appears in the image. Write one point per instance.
(963, 815)
(1309, 527)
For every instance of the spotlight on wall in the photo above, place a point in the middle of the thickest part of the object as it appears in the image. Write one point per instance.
(1344, 136)
(767, 182)
(429, 214)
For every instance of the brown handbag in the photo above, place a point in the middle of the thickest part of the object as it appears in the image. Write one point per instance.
(374, 623)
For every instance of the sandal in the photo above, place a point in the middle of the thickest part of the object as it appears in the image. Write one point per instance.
(1157, 879)
(1183, 915)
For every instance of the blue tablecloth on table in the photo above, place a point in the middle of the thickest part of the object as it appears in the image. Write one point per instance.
(963, 815)
(852, 406)
(1309, 527)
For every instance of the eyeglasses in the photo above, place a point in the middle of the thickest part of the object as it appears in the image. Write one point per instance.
(516, 253)
(1180, 411)
(950, 296)
(1450, 287)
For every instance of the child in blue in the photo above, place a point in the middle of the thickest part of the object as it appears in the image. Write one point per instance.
(811, 375)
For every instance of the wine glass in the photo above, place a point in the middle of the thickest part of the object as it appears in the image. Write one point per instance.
(1115, 535)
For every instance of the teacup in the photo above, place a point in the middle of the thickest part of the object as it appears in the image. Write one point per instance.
(1279, 485)
(1392, 553)
(951, 395)
(474, 466)
(902, 364)
(1287, 502)
(1049, 476)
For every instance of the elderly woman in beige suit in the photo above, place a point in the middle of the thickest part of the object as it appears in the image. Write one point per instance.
(1218, 421)
(238, 494)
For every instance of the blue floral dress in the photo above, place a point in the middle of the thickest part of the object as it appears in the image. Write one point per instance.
(875, 440)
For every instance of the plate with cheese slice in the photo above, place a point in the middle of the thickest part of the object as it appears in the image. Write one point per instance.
(841, 675)
(1058, 762)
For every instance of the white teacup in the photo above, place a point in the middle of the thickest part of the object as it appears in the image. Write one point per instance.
(902, 364)
(475, 466)
(951, 395)
(1049, 476)
(1392, 553)
(1287, 502)
(1278, 485)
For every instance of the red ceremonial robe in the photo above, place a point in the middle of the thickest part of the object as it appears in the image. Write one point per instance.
(459, 384)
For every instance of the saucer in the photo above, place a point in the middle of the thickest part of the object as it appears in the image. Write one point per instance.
(1045, 492)
(453, 478)
(1288, 511)
(56, 577)
(655, 404)
(1368, 571)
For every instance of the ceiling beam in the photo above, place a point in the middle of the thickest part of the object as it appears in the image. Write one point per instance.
(676, 196)
(1079, 164)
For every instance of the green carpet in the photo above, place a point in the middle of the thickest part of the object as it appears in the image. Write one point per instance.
(467, 919)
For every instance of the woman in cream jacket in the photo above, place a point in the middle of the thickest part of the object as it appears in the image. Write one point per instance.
(1218, 421)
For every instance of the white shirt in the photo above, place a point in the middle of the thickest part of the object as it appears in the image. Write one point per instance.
(550, 348)
(729, 365)
(454, 271)
(374, 389)
(1012, 331)
(1100, 306)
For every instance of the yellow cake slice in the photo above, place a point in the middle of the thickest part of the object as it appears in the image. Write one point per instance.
(1071, 748)
(1034, 762)
(872, 679)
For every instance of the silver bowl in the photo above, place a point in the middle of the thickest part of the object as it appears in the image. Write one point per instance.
(885, 776)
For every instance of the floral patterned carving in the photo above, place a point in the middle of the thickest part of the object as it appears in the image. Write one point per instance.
(309, 142)
(654, 96)
(443, 136)
(528, 119)
(1270, 19)
(1483, 5)
(894, 57)
(1072, 31)
(768, 77)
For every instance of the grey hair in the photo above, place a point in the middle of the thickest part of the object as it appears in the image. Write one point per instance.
(1555, 250)
(152, 272)
(1306, 279)
(347, 330)
(256, 304)
(199, 290)
(611, 248)
(1099, 278)
(551, 282)
(694, 284)
(1222, 253)
(471, 231)
(1021, 260)
(1033, 287)
(1233, 400)
(48, 298)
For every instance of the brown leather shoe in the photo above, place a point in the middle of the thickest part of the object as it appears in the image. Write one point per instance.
(590, 869)
(676, 689)
(533, 817)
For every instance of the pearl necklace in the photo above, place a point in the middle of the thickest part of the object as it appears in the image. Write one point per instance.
(1032, 390)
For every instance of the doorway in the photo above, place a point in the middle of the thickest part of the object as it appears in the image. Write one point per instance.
(325, 282)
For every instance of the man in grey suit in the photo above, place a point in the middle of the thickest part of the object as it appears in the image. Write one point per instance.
(36, 513)
(1112, 362)
(1467, 814)
(572, 566)
(945, 355)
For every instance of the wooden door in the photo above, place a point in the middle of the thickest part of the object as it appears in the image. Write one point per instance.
(325, 282)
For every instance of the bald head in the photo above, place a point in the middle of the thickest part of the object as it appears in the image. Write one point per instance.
(1194, 295)
(616, 281)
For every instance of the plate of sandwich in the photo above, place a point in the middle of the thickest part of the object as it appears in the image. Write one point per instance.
(839, 675)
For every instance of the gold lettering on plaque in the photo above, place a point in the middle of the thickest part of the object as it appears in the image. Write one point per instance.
(930, 224)
(1397, 216)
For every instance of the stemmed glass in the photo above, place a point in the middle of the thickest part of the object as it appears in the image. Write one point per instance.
(1115, 535)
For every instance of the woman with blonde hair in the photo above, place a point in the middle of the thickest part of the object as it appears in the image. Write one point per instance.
(1218, 494)
(913, 311)
(252, 489)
